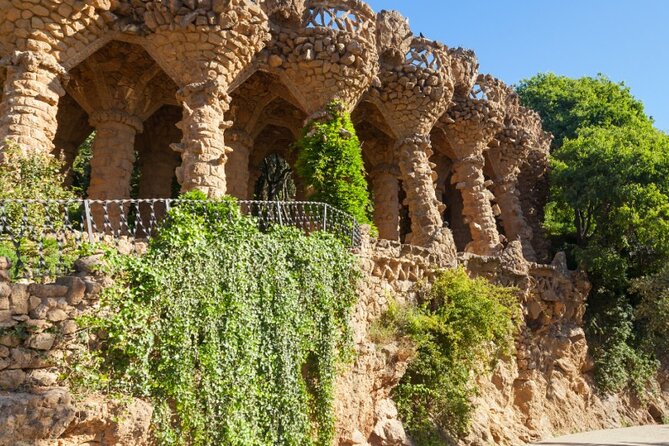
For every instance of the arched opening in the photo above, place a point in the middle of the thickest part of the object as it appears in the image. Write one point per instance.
(157, 161)
(73, 136)
(275, 182)
(115, 91)
(272, 166)
(448, 192)
(266, 122)
(391, 215)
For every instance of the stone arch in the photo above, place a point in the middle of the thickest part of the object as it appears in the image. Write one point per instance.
(258, 103)
(383, 174)
(119, 87)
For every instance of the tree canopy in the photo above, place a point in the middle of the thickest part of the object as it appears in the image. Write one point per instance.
(609, 209)
(567, 105)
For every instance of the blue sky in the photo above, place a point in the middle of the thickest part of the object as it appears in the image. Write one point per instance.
(627, 40)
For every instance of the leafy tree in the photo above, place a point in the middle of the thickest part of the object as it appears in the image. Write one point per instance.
(330, 161)
(609, 209)
(567, 105)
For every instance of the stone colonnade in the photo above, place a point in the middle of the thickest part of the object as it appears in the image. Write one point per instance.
(197, 55)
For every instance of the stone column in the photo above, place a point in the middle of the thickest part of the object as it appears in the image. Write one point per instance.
(237, 168)
(476, 198)
(29, 105)
(203, 151)
(385, 186)
(513, 220)
(427, 226)
(67, 152)
(113, 154)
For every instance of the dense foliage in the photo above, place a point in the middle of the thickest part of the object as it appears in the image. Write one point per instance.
(567, 105)
(234, 334)
(653, 310)
(31, 175)
(459, 328)
(330, 162)
(609, 210)
(36, 176)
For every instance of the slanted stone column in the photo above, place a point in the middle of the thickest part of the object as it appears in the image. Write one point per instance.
(29, 104)
(508, 152)
(237, 168)
(470, 125)
(113, 154)
(385, 186)
(203, 151)
(427, 226)
(476, 199)
(513, 220)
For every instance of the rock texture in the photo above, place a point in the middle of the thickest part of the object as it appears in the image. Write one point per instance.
(37, 336)
(545, 389)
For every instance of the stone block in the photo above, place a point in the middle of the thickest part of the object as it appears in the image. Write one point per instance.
(12, 379)
(20, 299)
(76, 289)
(41, 341)
(48, 290)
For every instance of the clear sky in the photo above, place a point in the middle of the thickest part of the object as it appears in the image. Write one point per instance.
(627, 40)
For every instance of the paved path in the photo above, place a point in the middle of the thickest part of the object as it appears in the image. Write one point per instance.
(635, 436)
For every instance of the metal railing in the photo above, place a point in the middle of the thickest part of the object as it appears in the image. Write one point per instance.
(41, 237)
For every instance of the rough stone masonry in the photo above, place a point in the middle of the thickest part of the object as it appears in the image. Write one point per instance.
(205, 90)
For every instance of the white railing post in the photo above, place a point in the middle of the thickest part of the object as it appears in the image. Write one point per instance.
(89, 220)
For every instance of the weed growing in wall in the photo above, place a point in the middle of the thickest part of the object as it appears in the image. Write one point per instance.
(330, 162)
(459, 329)
(232, 333)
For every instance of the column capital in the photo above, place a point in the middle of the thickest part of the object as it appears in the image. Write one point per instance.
(205, 92)
(104, 116)
(420, 140)
(32, 61)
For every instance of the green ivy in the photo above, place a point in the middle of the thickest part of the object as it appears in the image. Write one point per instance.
(458, 329)
(234, 334)
(330, 162)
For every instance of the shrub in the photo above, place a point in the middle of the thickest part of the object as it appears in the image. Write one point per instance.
(330, 162)
(459, 329)
(232, 333)
(35, 176)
